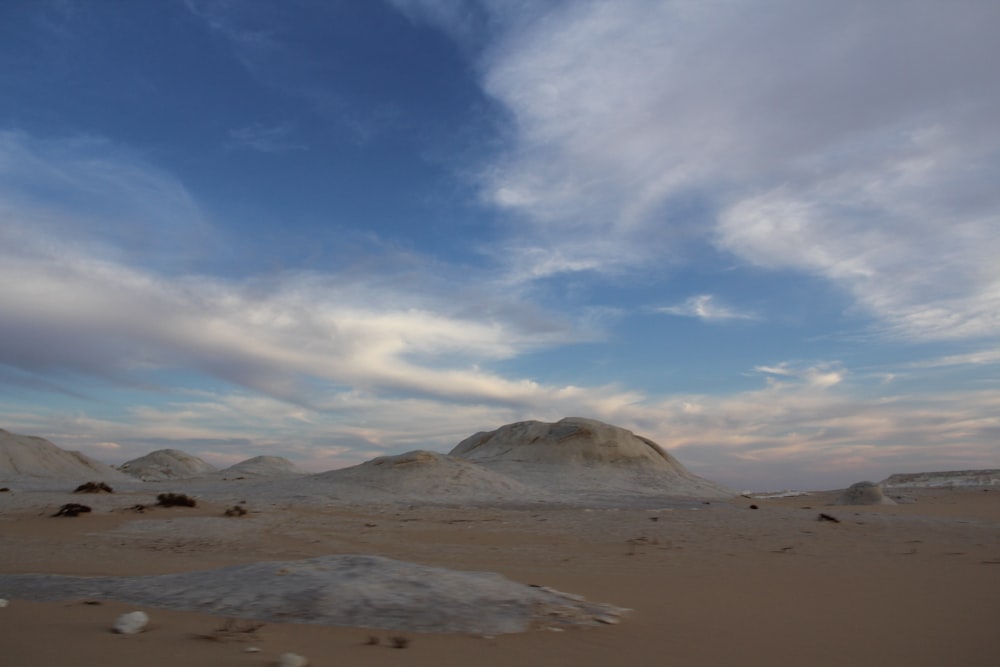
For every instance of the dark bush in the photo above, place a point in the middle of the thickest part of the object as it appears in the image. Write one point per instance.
(175, 500)
(94, 487)
(72, 509)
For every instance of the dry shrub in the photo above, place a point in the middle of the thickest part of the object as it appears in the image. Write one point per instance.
(175, 500)
(94, 487)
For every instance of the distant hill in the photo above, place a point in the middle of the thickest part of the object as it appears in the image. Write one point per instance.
(263, 466)
(164, 464)
(936, 480)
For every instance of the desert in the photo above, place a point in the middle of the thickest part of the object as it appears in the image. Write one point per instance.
(567, 543)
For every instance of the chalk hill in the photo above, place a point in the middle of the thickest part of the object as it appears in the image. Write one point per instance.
(164, 464)
(584, 456)
(28, 456)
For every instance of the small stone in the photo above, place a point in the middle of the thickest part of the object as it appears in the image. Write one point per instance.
(131, 623)
(251, 649)
(3, 603)
(292, 660)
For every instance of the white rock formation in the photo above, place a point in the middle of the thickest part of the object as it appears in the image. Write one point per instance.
(167, 464)
(28, 456)
(864, 493)
(585, 456)
(262, 466)
(131, 623)
(347, 590)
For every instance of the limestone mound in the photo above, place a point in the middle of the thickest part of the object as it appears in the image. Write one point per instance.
(345, 590)
(263, 466)
(426, 476)
(28, 456)
(585, 456)
(864, 493)
(167, 464)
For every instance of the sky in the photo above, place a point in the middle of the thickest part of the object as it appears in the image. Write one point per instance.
(764, 234)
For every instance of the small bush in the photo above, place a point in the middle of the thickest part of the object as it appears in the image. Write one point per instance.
(175, 500)
(94, 487)
(235, 510)
(72, 509)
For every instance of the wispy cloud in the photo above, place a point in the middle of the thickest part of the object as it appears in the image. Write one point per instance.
(86, 190)
(984, 357)
(705, 307)
(266, 138)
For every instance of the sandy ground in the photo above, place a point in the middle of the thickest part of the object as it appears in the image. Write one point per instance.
(720, 584)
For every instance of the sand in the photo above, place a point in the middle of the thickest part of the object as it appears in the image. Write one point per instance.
(708, 584)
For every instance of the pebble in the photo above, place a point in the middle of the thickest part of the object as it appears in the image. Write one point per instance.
(131, 623)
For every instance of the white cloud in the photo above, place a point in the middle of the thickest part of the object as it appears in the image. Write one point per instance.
(73, 306)
(705, 307)
(984, 357)
(854, 141)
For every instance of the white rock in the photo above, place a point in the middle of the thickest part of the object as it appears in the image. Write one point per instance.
(131, 623)
(3, 603)
(292, 660)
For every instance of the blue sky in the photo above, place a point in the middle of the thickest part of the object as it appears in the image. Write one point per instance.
(764, 234)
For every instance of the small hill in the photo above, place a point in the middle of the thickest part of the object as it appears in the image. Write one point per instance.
(421, 476)
(263, 466)
(28, 456)
(585, 456)
(165, 464)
